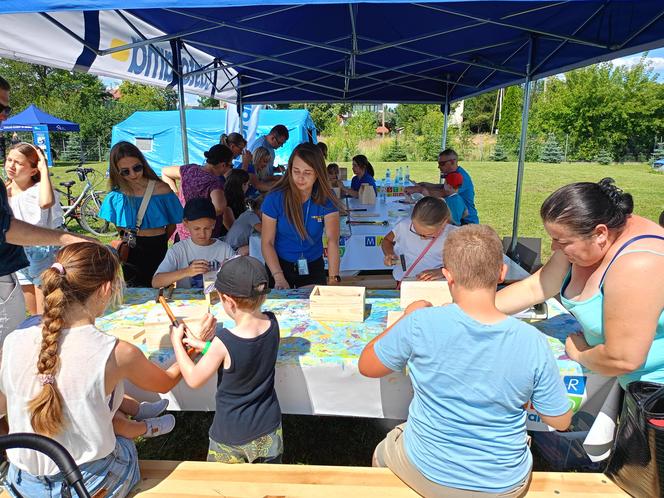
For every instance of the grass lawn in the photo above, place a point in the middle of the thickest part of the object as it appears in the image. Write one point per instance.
(350, 441)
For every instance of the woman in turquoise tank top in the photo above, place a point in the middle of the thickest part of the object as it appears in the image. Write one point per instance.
(608, 265)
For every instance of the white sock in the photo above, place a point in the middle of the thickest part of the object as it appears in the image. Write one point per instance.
(150, 410)
(159, 426)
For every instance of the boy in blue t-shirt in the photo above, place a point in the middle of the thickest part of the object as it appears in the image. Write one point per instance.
(473, 369)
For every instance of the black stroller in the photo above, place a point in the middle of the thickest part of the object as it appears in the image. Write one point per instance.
(55, 451)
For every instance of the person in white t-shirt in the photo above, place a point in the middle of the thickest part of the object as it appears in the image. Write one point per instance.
(415, 245)
(33, 200)
(186, 261)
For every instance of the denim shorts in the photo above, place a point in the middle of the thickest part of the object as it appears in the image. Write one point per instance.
(115, 475)
(40, 258)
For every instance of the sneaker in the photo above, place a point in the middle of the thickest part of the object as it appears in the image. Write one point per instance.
(159, 426)
(150, 410)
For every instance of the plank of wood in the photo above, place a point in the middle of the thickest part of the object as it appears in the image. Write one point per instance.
(201, 479)
(371, 281)
(436, 292)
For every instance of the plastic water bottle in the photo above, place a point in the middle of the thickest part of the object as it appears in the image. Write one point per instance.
(398, 185)
(406, 178)
(381, 192)
(387, 184)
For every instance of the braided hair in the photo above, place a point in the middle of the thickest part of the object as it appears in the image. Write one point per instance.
(582, 206)
(79, 271)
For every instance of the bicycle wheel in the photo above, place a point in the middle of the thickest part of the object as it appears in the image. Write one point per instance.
(90, 219)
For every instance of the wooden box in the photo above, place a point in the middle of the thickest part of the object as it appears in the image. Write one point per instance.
(393, 316)
(343, 174)
(436, 292)
(337, 303)
(208, 280)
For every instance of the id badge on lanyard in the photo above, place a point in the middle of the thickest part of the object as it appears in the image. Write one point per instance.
(302, 263)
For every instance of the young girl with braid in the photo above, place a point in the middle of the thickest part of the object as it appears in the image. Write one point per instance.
(64, 378)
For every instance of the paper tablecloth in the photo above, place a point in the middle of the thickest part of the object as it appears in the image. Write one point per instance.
(317, 371)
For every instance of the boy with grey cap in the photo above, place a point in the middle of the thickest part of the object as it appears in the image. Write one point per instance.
(247, 421)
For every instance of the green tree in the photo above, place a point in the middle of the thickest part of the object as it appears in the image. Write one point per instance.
(140, 97)
(509, 126)
(324, 116)
(551, 151)
(208, 102)
(73, 150)
(498, 153)
(410, 116)
(362, 125)
(394, 152)
(604, 157)
(478, 112)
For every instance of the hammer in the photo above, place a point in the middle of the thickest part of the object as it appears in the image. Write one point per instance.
(174, 321)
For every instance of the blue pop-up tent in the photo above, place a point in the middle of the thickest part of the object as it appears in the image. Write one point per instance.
(34, 120)
(34, 116)
(157, 133)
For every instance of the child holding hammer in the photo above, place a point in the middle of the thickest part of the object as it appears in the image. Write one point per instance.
(247, 420)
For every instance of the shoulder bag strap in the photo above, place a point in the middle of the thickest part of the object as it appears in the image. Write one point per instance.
(144, 203)
(426, 250)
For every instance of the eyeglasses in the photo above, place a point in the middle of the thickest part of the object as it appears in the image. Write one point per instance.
(422, 236)
(5, 109)
(136, 168)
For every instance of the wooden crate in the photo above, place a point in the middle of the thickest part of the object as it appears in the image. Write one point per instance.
(436, 292)
(208, 280)
(343, 173)
(393, 316)
(337, 303)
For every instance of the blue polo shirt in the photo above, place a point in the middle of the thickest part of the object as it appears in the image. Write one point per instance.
(288, 243)
(467, 193)
(357, 181)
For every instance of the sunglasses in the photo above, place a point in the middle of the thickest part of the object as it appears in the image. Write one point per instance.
(5, 109)
(422, 236)
(136, 168)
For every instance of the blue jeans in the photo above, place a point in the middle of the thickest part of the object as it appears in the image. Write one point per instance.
(116, 474)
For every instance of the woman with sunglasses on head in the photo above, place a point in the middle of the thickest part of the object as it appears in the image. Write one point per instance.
(417, 242)
(130, 180)
(205, 181)
(238, 146)
(296, 213)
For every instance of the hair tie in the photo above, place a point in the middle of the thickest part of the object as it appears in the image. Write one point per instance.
(59, 267)
(46, 379)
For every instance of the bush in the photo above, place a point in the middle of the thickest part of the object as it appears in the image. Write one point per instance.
(73, 150)
(498, 153)
(604, 157)
(395, 152)
(551, 151)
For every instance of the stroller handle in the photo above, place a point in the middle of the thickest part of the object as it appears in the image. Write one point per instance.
(54, 450)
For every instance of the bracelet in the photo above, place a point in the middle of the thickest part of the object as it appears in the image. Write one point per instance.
(207, 346)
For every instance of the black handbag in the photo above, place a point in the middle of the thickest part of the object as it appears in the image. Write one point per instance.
(637, 459)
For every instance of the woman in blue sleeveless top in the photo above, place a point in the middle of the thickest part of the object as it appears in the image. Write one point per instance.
(608, 265)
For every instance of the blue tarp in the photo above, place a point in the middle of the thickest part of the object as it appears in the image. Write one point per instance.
(163, 145)
(34, 116)
(382, 51)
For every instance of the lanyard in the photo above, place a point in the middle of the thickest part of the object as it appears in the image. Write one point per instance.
(306, 217)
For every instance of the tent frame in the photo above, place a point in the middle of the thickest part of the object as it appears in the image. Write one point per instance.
(349, 56)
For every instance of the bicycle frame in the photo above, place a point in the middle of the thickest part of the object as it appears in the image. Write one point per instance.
(70, 209)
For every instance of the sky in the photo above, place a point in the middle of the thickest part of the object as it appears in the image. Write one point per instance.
(656, 58)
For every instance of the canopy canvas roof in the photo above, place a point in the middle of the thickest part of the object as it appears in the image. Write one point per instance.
(34, 116)
(328, 51)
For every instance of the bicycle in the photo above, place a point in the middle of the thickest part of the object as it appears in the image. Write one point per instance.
(85, 207)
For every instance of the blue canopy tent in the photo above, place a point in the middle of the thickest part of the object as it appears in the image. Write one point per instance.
(349, 51)
(34, 116)
(157, 133)
(34, 120)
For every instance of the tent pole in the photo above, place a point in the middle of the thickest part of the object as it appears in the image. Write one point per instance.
(511, 252)
(181, 105)
(446, 112)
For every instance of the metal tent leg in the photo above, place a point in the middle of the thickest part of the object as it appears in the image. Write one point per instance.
(511, 252)
(181, 105)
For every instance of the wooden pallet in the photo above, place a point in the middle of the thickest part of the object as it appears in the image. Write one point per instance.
(169, 479)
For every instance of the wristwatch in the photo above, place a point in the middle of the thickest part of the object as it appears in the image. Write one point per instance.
(336, 278)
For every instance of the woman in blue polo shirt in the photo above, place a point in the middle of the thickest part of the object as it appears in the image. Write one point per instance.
(364, 173)
(296, 213)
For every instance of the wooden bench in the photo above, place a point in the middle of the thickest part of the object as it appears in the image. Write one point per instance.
(200, 479)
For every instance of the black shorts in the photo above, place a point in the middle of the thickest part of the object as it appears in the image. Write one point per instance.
(317, 274)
